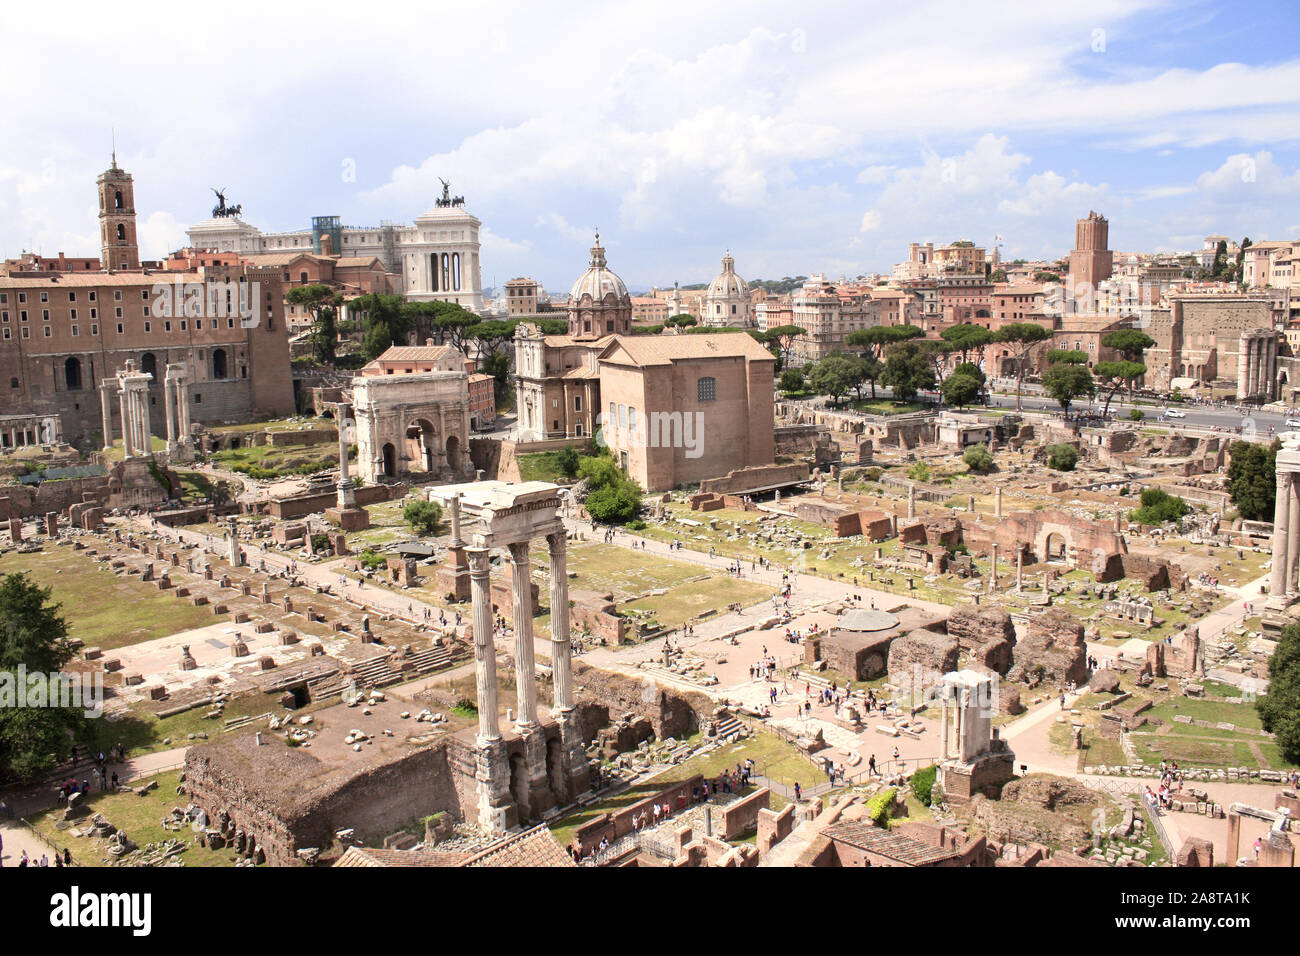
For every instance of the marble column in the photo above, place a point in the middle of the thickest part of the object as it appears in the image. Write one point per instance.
(1277, 587)
(146, 433)
(943, 725)
(561, 654)
(485, 654)
(169, 409)
(1242, 364)
(997, 502)
(454, 507)
(993, 565)
(347, 499)
(123, 408)
(106, 413)
(522, 594)
(911, 501)
(1020, 568)
(183, 408)
(1293, 539)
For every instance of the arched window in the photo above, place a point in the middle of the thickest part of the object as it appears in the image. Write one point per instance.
(219, 363)
(455, 271)
(433, 271)
(117, 199)
(446, 272)
(72, 374)
(149, 364)
(706, 389)
(121, 232)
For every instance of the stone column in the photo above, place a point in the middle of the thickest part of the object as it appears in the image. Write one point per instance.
(123, 408)
(997, 502)
(496, 809)
(454, 506)
(183, 408)
(993, 565)
(1252, 366)
(169, 409)
(1020, 568)
(577, 773)
(1281, 527)
(943, 725)
(1293, 538)
(106, 412)
(485, 659)
(911, 501)
(347, 495)
(521, 592)
(146, 432)
(1242, 365)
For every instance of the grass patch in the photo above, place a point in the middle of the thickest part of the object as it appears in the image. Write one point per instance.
(139, 817)
(101, 608)
(541, 466)
(689, 600)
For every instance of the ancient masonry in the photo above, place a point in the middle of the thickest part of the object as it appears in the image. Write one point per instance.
(524, 782)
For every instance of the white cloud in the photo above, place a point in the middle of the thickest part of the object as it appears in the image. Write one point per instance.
(870, 221)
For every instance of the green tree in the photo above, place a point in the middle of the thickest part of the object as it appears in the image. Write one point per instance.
(1042, 275)
(966, 338)
(612, 496)
(321, 303)
(960, 389)
(379, 339)
(682, 320)
(491, 336)
(34, 637)
(998, 275)
(1279, 708)
(792, 380)
(908, 370)
(1131, 344)
(1252, 478)
(781, 339)
(978, 458)
(835, 375)
(1022, 336)
(1062, 457)
(1065, 382)
(1115, 375)
(1220, 259)
(423, 516)
(872, 343)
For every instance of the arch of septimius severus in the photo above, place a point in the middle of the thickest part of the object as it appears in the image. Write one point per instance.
(525, 772)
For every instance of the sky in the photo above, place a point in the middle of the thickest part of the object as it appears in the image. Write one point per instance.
(804, 138)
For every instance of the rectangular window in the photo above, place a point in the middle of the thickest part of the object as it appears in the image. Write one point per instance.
(118, 311)
(146, 310)
(146, 326)
(72, 314)
(26, 332)
(144, 295)
(577, 403)
(74, 332)
(47, 332)
(45, 297)
(117, 295)
(92, 295)
(94, 329)
(119, 328)
(72, 297)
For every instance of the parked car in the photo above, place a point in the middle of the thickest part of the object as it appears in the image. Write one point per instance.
(1175, 413)
(1293, 423)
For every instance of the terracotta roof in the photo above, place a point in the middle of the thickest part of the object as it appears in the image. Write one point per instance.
(82, 280)
(666, 349)
(282, 258)
(535, 847)
(356, 260)
(886, 843)
(369, 857)
(414, 353)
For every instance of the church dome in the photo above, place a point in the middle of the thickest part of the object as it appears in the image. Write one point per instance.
(727, 285)
(599, 281)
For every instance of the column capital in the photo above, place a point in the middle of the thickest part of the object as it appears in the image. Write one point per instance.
(518, 551)
(479, 563)
(558, 541)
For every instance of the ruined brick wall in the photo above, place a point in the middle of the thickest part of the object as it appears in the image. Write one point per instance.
(1052, 649)
(287, 800)
(670, 712)
(985, 633)
(924, 649)
(741, 817)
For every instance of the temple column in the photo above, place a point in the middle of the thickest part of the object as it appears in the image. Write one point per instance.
(347, 499)
(911, 501)
(145, 431)
(169, 409)
(123, 408)
(1242, 365)
(521, 592)
(1293, 539)
(485, 659)
(997, 502)
(496, 809)
(1281, 533)
(106, 414)
(183, 408)
(943, 725)
(577, 773)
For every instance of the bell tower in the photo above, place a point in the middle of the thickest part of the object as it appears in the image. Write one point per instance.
(120, 251)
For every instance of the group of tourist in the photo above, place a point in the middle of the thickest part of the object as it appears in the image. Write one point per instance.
(60, 859)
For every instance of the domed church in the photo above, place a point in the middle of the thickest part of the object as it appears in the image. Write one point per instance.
(727, 301)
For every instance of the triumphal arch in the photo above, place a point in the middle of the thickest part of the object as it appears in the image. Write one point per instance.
(411, 424)
(532, 767)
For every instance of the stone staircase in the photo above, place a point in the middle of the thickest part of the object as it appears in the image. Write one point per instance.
(731, 725)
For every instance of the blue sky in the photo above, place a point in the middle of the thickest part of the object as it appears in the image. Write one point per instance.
(804, 138)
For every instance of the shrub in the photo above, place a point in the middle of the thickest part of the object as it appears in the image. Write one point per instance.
(423, 516)
(1158, 506)
(923, 783)
(978, 458)
(636, 524)
(1136, 415)
(919, 472)
(369, 559)
(568, 459)
(320, 542)
(881, 807)
(1062, 457)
